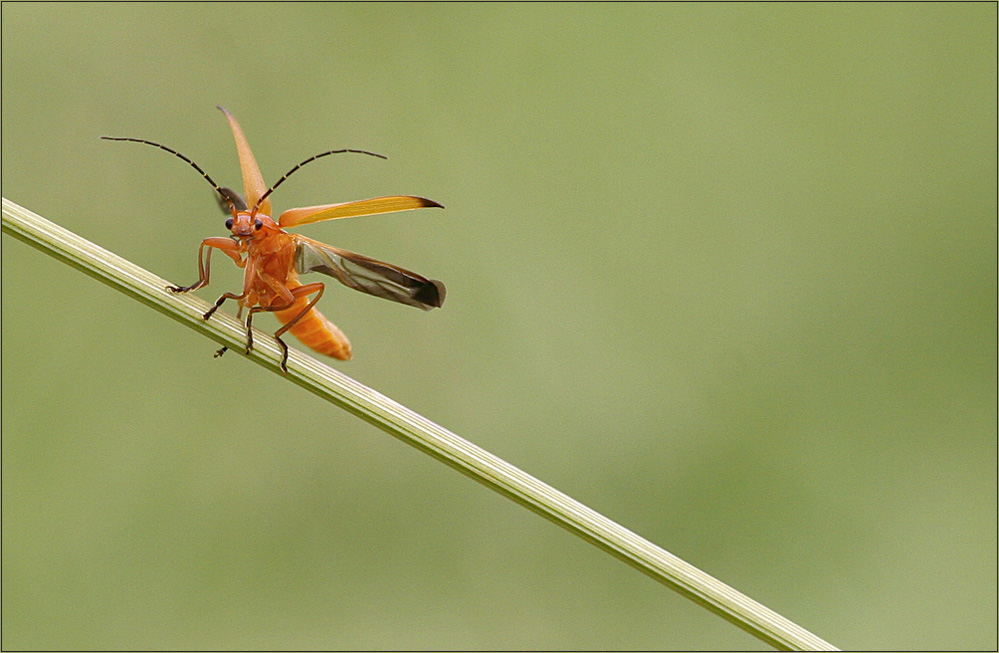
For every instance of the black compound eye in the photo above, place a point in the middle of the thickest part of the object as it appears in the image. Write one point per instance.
(228, 223)
(259, 223)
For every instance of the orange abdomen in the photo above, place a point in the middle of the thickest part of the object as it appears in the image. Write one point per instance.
(315, 331)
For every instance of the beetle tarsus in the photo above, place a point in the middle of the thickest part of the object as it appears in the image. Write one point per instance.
(284, 356)
(194, 286)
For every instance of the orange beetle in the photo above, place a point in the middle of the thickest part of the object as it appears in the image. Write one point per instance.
(273, 258)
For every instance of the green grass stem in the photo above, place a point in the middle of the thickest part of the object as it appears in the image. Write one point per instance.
(415, 430)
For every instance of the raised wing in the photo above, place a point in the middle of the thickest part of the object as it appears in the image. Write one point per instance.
(373, 206)
(368, 275)
(253, 181)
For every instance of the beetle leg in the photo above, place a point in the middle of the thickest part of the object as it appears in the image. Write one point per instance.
(221, 300)
(228, 246)
(301, 291)
(291, 296)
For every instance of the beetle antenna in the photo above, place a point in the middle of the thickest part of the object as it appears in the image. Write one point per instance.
(309, 160)
(220, 191)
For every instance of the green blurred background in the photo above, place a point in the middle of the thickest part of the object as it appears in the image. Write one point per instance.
(726, 273)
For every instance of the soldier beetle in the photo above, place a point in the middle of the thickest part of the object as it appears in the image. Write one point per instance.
(273, 258)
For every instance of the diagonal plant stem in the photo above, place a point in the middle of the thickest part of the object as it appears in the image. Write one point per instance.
(415, 430)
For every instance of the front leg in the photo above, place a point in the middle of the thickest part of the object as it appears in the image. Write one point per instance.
(228, 246)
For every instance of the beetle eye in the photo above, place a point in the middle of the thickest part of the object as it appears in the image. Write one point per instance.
(228, 223)
(259, 223)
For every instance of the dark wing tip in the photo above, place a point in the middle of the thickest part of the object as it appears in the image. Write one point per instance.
(431, 294)
(429, 203)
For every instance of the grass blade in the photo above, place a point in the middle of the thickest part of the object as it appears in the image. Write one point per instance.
(415, 430)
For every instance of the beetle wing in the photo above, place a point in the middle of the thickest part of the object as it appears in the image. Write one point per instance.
(227, 195)
(368, 275)
(253, 181)
(373, 206)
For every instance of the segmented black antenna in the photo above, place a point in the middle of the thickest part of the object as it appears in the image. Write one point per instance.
(309, 160)
(194, 165)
